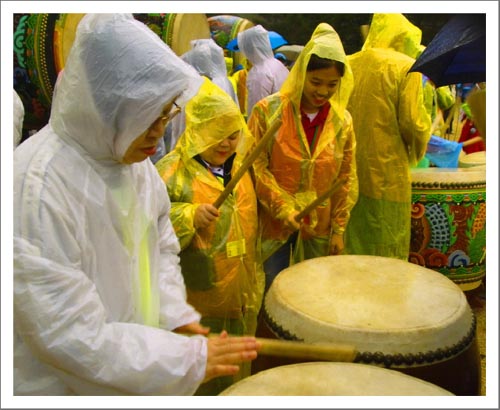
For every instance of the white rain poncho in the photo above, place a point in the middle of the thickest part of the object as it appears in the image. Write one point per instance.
(208, 59)
(267, 73)
(97, 281)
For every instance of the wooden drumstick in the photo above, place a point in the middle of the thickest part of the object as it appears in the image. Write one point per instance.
(309, 208)
(331, 352)
(248, 162)
(311, 351)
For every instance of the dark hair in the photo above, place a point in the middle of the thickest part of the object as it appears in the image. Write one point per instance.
(318, 63)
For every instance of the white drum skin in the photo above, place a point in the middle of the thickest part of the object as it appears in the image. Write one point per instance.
(332, 379)
(396, 314)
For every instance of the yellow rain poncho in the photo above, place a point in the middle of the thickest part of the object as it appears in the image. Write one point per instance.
(435, 100)
(219, 263)
(392, 131)
(288, 175)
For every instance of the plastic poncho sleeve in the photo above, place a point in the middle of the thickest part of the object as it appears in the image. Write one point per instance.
(414, 123)
(174, 311)
(275, 199)
(445, 97)
(181, 211)
(346, 196)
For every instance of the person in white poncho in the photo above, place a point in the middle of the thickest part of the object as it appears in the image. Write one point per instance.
(267, 74)
(98, 291)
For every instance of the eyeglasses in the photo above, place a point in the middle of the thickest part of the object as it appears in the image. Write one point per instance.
(173, 112)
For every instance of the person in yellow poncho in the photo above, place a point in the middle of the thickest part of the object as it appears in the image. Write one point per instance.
(311, 153)
(219, 262)
(437, 100)
(392, 130)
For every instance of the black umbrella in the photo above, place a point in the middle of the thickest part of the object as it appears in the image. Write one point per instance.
(457, 54)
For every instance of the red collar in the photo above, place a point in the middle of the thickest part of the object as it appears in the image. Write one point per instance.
(319, 119)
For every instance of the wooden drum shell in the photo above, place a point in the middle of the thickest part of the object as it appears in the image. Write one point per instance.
(43, 42)
(448, 223)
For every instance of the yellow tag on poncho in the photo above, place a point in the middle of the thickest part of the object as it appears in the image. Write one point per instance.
(236, 248)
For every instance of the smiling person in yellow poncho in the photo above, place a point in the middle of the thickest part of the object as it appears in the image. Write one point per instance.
(218, 258)
(392, 131)
(311, 153)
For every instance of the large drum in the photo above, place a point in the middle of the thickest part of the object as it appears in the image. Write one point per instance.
(42, 43)
(395, 314)
(332, 379)
(225, 28)
(448, 223)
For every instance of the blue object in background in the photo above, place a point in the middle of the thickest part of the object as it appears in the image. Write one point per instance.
(443, 153)
(276, 40)
(457, 53)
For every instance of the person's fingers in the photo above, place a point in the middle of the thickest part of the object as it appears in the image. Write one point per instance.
(234, 353)
(213, 211)
(220, 370)
(228, 344)
(225, 353)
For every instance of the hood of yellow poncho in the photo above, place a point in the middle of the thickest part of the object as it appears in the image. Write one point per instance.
(211, 117)
(396, 32)
(325, 43)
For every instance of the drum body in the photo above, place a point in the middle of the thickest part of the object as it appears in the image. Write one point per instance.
(448, 223)
(395, 314)
(225, 28)
(43, 42)
(332, 379)
(35, 72)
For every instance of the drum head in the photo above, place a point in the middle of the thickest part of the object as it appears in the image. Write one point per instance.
(472, 160)
(332, 379)
(448, 177)
(376, 304)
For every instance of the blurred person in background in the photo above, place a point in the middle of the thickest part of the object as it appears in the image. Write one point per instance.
(392, 128)
(266, 74)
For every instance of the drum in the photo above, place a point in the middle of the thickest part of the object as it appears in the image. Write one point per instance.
(34, 69)
(472, 160)
(43, 41)
(225, 28)
(177, 30)
(332, 379)
(448, 223)
(394, 313)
